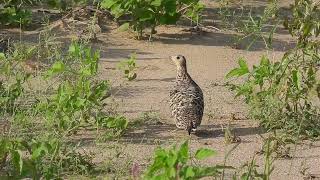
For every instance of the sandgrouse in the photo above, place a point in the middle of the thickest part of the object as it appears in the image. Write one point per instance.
(186, 98)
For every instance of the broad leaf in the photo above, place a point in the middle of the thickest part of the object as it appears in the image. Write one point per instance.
(204, 153)
(184, 152)
(108, 3)
(242, 70)
(189, 172)
(296, 78)
(2, 56)
(156, 3)
(17, 160)
(124, 27)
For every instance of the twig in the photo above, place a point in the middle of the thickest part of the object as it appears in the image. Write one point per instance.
(203, 26)
(186, 7)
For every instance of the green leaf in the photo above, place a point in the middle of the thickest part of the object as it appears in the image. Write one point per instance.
(171, 161)
(80, 102)
(156, 3)
(264, 61)
(57, 67)
(296, 78)
(85, 71)
(184, 152)
(172, 172)
(243, 65)
(201, 172)
(242, 70)
(124, 27)
(39, 151)
(2, 56)
(233, 73)
(107, 4)
(189, 172)
(146, 15)
(117, 10)
(169, 18)
(132, 76)
(204, 153)
(17, 160)
(307, 29)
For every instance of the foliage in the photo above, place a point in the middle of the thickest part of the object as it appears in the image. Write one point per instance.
(283, 95)
(117, 125)
(249, 26)
(251, 171)
(65, 4)
(174, 164)
(14, 12)
(129, 67)
(304, 22)
(45, 158)
(78, 97)
(17, 12)
(39, 124)
(149, 14)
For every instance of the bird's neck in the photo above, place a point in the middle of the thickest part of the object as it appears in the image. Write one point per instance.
(182, 75)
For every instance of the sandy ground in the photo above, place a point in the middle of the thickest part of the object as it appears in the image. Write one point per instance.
(209, 57)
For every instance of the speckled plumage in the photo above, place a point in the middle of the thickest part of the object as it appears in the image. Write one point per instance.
(186, 98)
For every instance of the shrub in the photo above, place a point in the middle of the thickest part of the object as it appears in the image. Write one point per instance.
(36, 139)
(149, 14)
(283, 94)
(128, 66)
(40, 158)
(174, 164)
(13, 12)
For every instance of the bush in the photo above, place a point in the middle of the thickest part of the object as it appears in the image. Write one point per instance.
(36, 139)
(174, 164)
(283, 95)
(149, 14)
(13, 12)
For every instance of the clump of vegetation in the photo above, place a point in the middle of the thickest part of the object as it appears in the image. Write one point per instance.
(38, 124)
(41, 158)
(79, 98)
(250, 169)
(175, 164)
(149, 14)
(249, 26)
(14, 12)
(129, 67)
(65, 4)
(284, 94)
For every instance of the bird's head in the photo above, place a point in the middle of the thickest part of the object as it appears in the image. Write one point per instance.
(179, 61)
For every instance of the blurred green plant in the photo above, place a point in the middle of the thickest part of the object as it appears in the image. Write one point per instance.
(252, 28)
(14, 12)
(65, 4)
(78, 98)
(129, 67)
(40, 158)
(149, 14)
(284, 94)
(175, 164)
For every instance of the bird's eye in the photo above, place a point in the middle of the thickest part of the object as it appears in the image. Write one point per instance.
(178, 57)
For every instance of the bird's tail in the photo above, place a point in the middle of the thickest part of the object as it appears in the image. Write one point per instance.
(190, 127)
